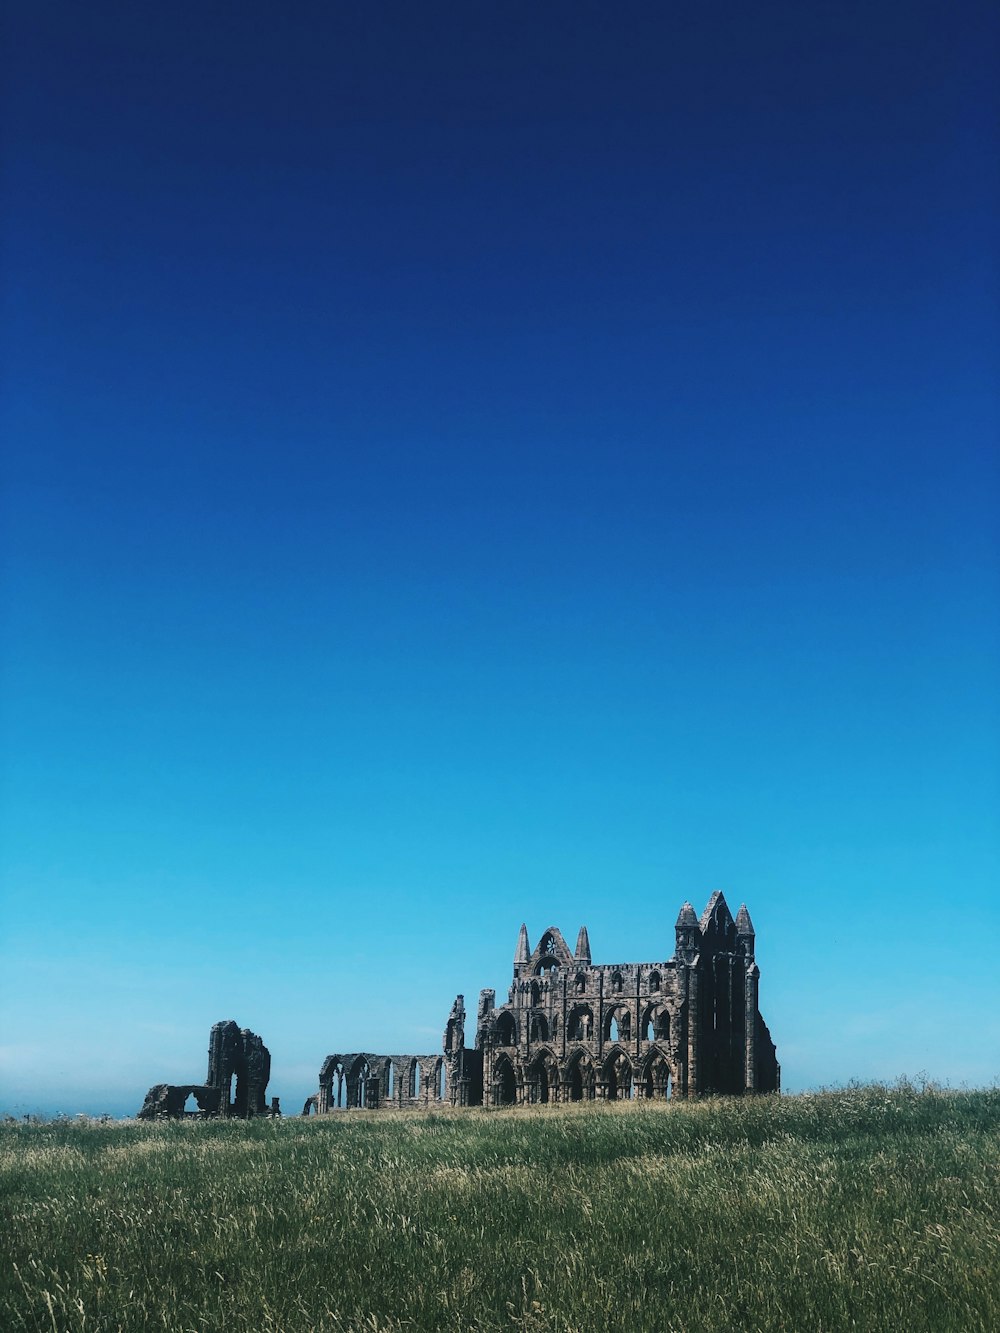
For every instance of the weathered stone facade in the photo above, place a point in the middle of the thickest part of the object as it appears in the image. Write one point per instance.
(233, 1053)
(575, 1031)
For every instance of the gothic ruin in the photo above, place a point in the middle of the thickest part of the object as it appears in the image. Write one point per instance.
(233, 1053)
(575, 1031)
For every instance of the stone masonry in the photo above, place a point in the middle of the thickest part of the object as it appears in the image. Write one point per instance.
(234, 1054)
(572, 1030)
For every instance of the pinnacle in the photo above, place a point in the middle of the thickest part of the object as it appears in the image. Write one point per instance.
(523, 952)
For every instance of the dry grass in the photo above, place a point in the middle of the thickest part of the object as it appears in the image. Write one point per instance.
(872, 1208)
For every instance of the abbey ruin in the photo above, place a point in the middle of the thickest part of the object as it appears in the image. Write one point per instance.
(570, 1030)
(573, 1030)
(239, 1066)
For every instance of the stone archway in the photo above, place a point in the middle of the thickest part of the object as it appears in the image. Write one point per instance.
(543, 1078)
(655, 1080)
(504, 1083)
(619, 1081)
(580, 1080)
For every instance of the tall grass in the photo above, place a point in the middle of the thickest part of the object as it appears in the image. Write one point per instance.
(871, 1208)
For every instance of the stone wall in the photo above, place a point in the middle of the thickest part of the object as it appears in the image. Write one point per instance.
(239, 1067)
(571, 1030)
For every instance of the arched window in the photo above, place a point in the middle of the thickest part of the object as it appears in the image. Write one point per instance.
(415, 1079)
(390, 1080)
(337, 1087)
(581, 1079)
(506, 1030)
(581, 1023)
(654, 982)
(581, 984)
(548, 960)
(536, 993)
(662, 1026)
(442, 1081)
(358, 1082)
(539, 1028)
(504, 1083)
(543, 1078)
(618, 1076)
(618, 1025)
(656, 1078)
(616, 983)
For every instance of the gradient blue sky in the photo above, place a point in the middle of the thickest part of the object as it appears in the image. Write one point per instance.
(469, 463)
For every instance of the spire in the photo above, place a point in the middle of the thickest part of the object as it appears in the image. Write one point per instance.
(744, 932)
(713, 902)
(583, 946)
(688, 938)
(522, 953)
(686, 919)
(744, 926)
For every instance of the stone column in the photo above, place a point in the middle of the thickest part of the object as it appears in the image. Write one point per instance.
(694, 1025)
(638, 1013)
(565, 1005)
(750, 1054)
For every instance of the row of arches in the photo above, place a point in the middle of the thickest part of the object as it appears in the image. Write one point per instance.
(580, 1078)
(368, 1081)
(654, 1025)
(616, 984)
(584, 981)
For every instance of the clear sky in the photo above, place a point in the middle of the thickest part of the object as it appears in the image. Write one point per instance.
(472, 463)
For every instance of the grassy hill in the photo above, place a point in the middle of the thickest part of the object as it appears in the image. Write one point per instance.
(869, 1208)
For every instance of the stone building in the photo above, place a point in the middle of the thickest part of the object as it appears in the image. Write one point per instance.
(573, 1030)
(239, 1067)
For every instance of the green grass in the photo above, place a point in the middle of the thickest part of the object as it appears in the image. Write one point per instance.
(871, 1208)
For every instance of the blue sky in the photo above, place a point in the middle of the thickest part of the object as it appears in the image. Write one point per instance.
(469, 464)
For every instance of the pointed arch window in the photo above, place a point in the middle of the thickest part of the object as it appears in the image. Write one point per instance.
(506, 1030)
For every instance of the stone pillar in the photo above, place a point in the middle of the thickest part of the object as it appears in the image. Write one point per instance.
(565, 1007)
(750, 1038)
(638, 1014)
(694, 1025)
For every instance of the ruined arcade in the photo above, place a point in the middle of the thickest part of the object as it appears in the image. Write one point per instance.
(236, 1056)
(573, 1030)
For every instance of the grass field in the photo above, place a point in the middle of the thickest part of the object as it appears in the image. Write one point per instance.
(870, 1208)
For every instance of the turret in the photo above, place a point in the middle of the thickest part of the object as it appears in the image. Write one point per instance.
(454, 1033)
(583, 946)
(687, 934)
(522, 953)
(744, 931)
